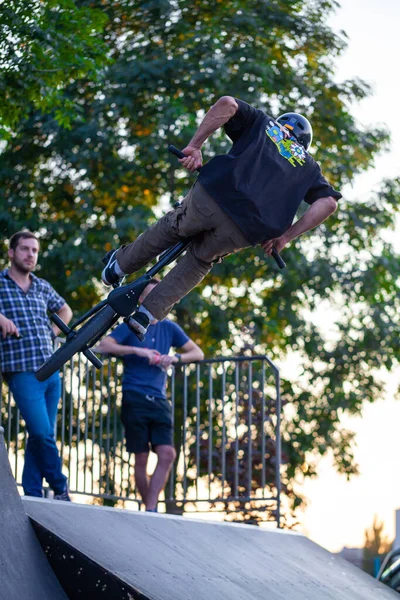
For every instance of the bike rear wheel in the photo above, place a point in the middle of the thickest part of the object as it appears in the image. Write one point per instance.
(90, 331)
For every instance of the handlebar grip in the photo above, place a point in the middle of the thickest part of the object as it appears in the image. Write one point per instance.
(279, 260)
(176, 152)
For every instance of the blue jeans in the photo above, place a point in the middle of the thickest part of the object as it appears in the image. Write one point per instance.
(38, 402)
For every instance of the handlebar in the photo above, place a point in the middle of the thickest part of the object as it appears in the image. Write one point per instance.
(275, 254)
(178, 153)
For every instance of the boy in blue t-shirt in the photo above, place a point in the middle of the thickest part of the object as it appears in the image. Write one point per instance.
(146, 412)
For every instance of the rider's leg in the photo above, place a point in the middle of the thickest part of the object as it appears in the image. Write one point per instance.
(205, 250)
(152, 242)
(197, 213)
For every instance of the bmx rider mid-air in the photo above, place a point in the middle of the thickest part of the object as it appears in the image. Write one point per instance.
(247, 197)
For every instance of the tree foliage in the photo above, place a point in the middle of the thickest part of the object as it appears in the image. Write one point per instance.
(43, 44)
(96, 185)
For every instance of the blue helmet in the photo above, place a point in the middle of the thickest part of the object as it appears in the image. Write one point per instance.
(299, 127)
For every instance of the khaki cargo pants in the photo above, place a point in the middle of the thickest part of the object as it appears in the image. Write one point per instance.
(215, 236)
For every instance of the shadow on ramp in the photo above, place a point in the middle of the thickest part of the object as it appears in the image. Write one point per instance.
(119, 554)
(25, 573)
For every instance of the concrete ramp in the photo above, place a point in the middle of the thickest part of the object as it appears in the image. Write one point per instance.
(123, 554)
(25, 573)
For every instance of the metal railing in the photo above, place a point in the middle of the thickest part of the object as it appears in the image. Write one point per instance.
(226, 414)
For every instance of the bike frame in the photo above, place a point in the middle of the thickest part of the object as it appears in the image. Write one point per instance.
(124, 300)
(121, 302)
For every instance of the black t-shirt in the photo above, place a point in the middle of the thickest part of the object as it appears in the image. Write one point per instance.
(263, 179)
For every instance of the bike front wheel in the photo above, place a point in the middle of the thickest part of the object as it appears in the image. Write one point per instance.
(92, 330)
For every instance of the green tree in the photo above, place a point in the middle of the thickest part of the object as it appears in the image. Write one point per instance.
(42, 45)
(96, 185)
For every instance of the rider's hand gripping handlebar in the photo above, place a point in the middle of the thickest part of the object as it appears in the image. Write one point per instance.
(275, 254)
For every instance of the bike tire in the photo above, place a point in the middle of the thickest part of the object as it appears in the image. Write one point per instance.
(101, 321)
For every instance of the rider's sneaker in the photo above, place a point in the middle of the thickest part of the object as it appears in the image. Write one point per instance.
(64, 495)
(138, 323)
(109, 275)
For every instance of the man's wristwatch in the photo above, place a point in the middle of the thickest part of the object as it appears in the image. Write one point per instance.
(179, 357)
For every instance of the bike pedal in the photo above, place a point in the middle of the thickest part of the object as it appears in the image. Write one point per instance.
(118, 283)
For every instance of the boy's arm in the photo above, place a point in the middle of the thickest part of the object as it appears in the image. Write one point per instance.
(219, 114)
(320, 210)
(190, 352)
(109, 345)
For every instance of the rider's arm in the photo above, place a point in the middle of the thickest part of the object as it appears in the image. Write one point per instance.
(316, 214)
(191, 352)
(219, 114)
(320, 210)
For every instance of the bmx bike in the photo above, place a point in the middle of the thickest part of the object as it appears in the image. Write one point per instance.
(122, 301)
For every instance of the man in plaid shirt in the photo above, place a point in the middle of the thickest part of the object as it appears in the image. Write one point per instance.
(26, 342)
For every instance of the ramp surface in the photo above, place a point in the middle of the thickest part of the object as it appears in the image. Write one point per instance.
(163, 557)
(25, 573)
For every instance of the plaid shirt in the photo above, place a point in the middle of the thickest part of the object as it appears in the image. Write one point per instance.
(29, 313)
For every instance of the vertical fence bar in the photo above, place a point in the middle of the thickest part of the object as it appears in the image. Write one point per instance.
(236, 467)
(87, 374)
(185, 411)
(101, 435)
(93, 426)
(210, 427)
(63, 393)
(278, 446)
(197, 429)
(114, 414)
(223, 468)
(78, 421)
(119, 431)
(71, 410)
(263, 472)
(173, 469)
(250, 425)
(108, 425)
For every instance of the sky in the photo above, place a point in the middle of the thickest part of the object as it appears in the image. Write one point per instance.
(338, 511)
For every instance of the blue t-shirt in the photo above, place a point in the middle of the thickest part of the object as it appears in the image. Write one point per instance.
(139, 375)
